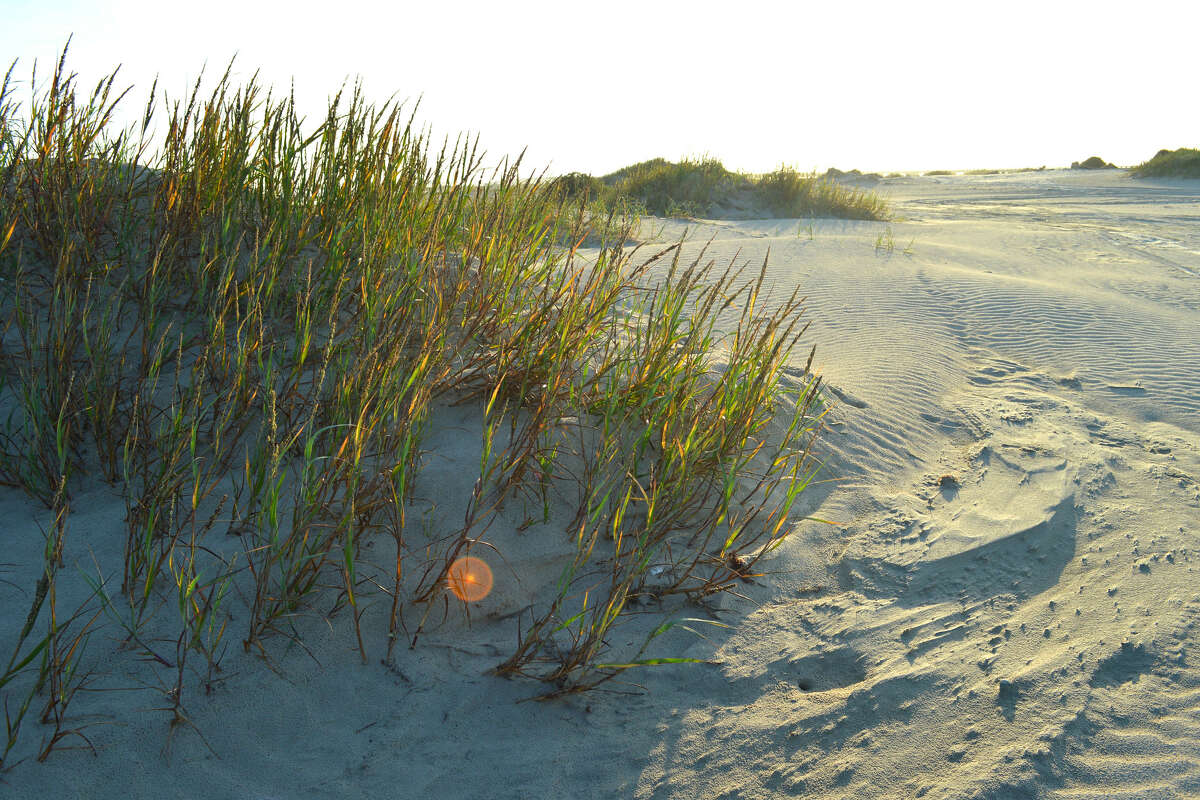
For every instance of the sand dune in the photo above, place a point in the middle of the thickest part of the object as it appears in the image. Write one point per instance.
(1007, 608)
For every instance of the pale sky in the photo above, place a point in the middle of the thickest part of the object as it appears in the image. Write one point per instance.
(595, 86)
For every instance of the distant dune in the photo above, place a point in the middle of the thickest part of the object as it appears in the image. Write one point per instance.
(1182, 163)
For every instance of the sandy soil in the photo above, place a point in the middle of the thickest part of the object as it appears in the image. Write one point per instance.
(1007, 608)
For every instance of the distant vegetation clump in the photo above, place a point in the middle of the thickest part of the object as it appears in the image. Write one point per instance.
(685, 188)
(1095, 162)
(1181, 163)
(795, 194)
(704, 187)
(854, 175)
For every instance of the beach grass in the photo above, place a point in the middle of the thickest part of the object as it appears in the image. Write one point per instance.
(698, 187)
(1092, 162)
(248, 329)
(1181, 163)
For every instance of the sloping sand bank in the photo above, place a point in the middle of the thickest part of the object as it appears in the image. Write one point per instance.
(1007, 606)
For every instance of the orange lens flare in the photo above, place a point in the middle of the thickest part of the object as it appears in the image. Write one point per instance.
(470, 579)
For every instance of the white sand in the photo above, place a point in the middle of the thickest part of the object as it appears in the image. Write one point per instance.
(1039, 342)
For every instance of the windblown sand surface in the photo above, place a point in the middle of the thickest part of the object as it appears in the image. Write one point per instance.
(1007, 607)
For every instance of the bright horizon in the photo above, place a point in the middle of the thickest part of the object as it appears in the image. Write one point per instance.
(870, 86)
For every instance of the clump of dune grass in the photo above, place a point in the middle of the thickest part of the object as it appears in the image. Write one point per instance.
(666, 188)
(578, 186)
(787, 192)
(1093, 162)
(247, 329)
(1181, 163)
(704, 187)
